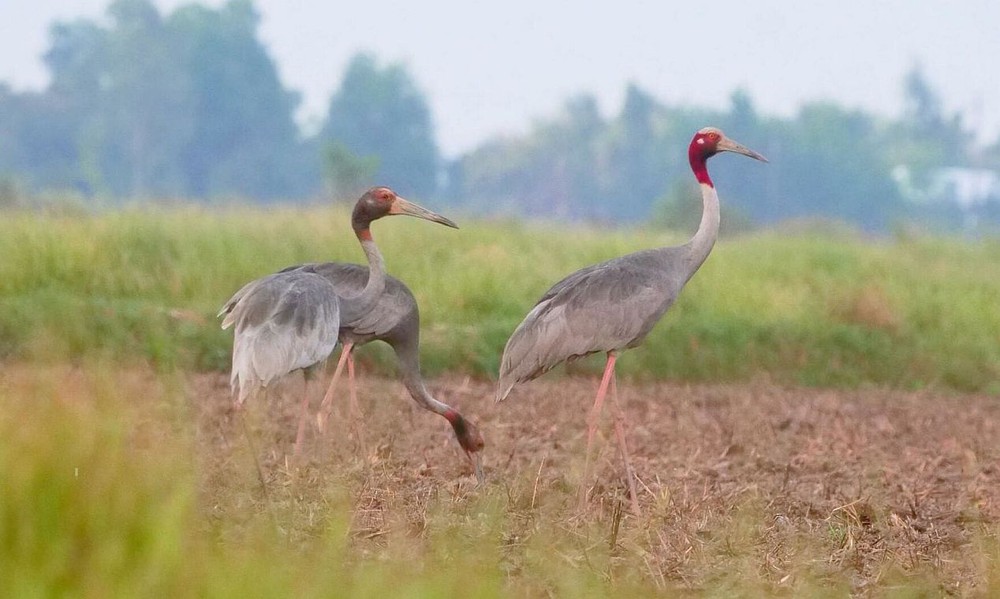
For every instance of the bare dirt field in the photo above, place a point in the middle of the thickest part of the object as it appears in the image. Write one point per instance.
(852, 490)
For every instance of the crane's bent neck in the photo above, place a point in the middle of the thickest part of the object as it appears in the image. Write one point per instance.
(373, 289)
(409, 365)
(414, 383)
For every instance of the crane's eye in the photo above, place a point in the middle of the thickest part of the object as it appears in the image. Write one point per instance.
(713, 136)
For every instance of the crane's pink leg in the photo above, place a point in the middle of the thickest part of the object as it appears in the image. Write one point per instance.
(359, 422)
(592, 421)
(623, 444)
(324, 408)
(304, 411)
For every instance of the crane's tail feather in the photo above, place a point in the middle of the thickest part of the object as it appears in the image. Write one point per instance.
(538, 345)
(503, 390)
(520, 362)
(229, 308)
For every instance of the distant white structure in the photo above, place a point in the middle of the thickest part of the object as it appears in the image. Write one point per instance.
(969, 188)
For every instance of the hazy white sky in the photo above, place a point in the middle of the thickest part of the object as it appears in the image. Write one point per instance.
(492, 69)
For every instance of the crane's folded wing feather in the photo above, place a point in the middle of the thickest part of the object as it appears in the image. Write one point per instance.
(395, 303)
(604, 307)
(283, 322)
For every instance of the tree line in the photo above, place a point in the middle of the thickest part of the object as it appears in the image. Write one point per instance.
(827, 162)
(189, 105)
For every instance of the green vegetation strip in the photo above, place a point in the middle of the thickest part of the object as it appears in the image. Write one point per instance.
(800, 306)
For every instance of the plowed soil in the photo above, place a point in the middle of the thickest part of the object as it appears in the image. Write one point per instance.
(851, 488)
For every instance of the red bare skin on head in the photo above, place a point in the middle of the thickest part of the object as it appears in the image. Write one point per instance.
(384, 194)
(365, 235)
(468, 435)
(376, 203)
(703, 147)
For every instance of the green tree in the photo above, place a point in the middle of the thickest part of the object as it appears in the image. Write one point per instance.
(39, 131)
(187, 105)
(348, 174)
(828, 162)
(144, 115)
(379, 111)
(638, 178)
(36, 141)
(244, 139)
(833, 163)
(559, 170)
(926, 139)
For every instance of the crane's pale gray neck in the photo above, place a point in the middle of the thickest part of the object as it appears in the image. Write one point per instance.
(409, 365)
(464, 432)
(468, 436)
(365, 300)
(708, 230)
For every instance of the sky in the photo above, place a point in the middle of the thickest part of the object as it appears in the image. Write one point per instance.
(494, 69)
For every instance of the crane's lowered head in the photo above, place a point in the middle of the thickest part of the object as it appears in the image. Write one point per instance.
(382, 201)
(470, 439)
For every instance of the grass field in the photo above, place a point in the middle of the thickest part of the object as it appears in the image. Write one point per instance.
(797, 306)
(817, 416)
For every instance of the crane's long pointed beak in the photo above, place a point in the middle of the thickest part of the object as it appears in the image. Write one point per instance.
(727, 145)
(401, 206)
(477, 459)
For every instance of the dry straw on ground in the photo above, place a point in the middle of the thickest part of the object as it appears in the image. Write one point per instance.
(759, 485)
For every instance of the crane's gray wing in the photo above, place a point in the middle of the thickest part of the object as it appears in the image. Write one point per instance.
(394, 305)
(283, 322)
(608, 306)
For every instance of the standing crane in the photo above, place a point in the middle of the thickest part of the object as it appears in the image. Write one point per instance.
(612, 306)
(291, 320)
(395, 319)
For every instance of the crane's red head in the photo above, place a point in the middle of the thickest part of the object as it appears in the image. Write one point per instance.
(382, 201)
(708, 142)
(470, 439)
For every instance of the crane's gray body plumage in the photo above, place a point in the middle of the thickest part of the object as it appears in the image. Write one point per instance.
(613, 305)
(294, 318)
(605, 307)
(290, 320)
(283, 322)
(394, 319)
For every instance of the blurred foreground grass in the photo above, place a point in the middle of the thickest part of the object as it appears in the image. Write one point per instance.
(109, 492)
(799, 307)
(103, 499)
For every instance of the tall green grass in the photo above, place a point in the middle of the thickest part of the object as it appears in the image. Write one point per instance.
(798, 307)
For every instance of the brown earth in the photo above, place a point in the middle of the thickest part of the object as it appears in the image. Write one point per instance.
(850, 489)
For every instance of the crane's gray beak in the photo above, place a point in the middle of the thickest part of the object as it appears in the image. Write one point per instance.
(727, 145)
(477, 460)
(401, 206)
